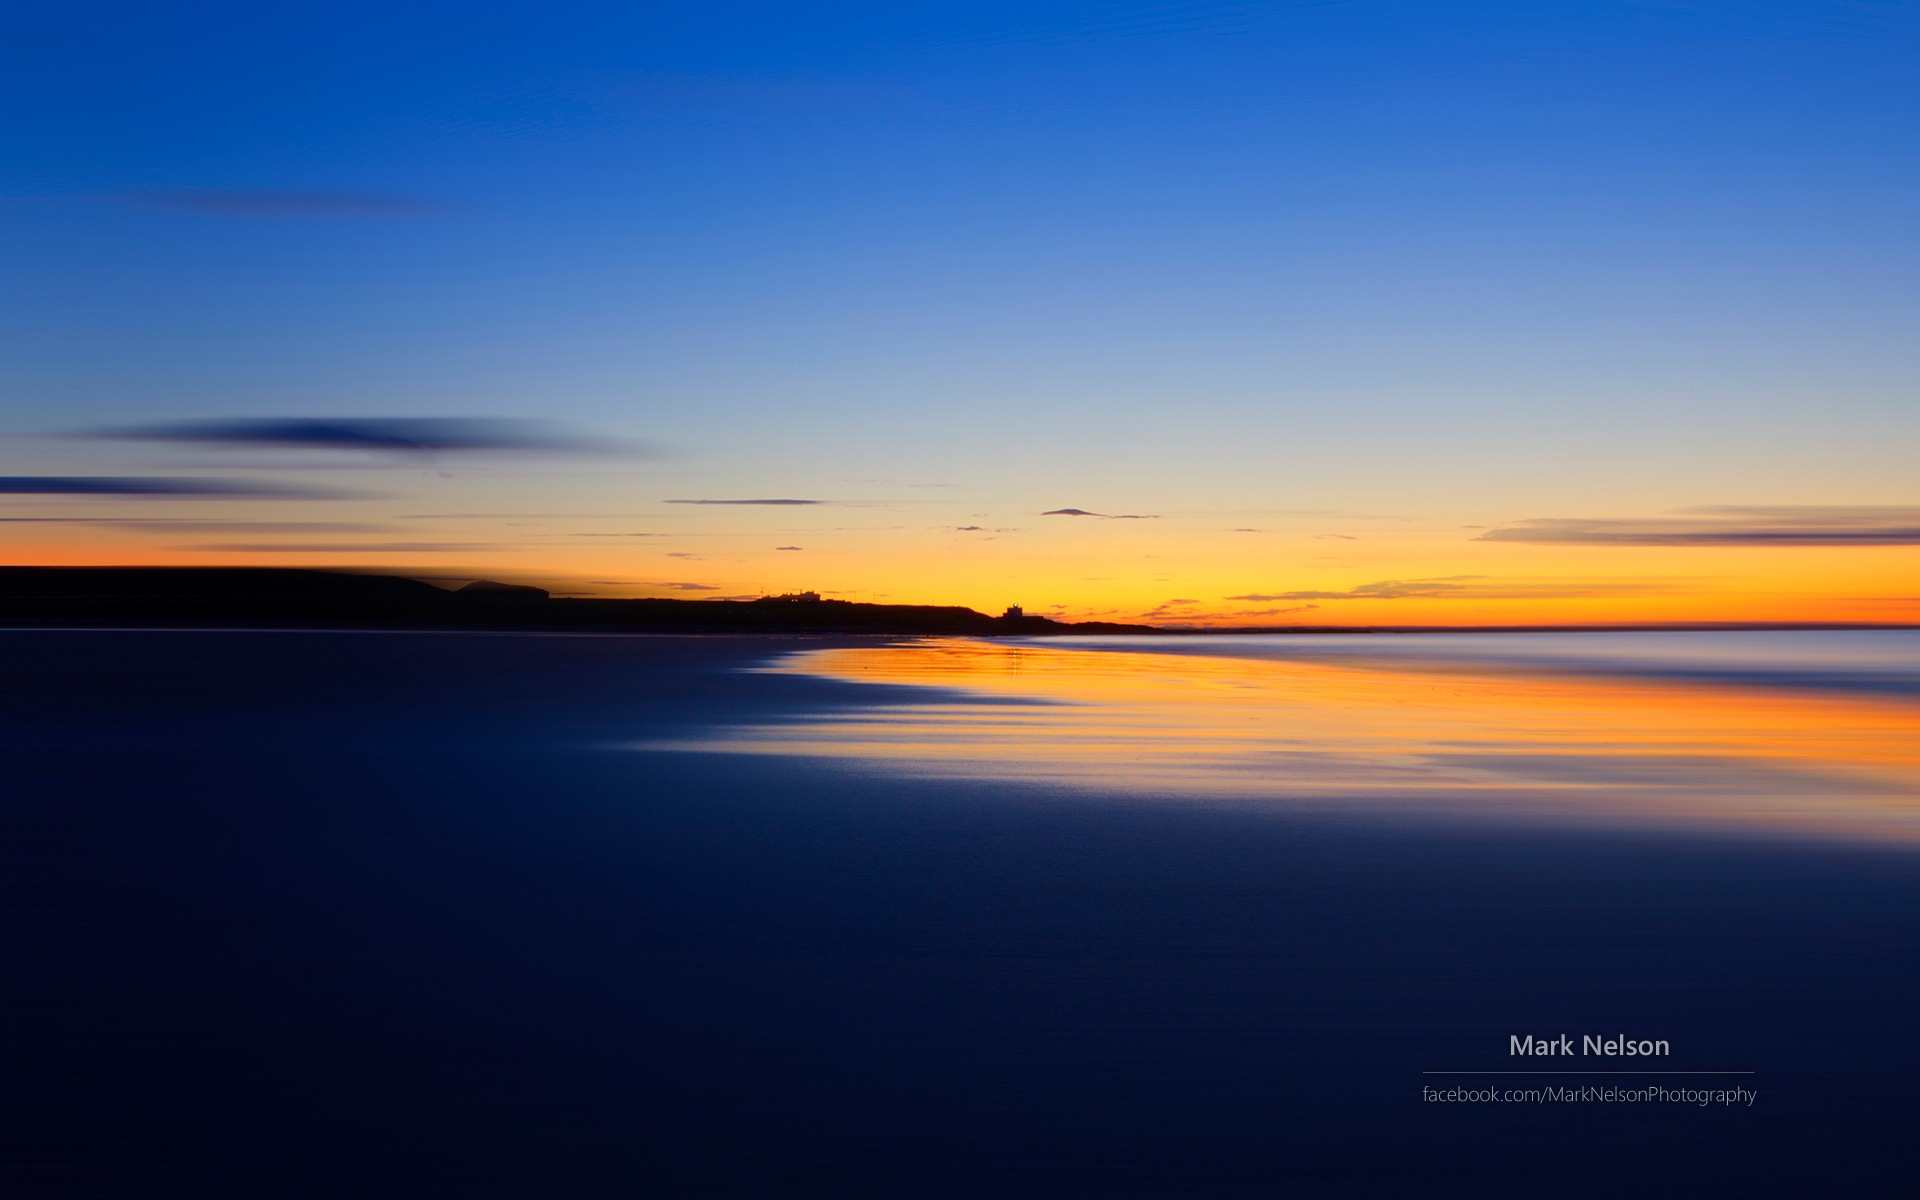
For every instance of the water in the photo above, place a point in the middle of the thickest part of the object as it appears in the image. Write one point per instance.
(462, 917)
(1798, 733)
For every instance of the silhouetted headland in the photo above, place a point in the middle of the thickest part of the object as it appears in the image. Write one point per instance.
(288, 597)
(275, 596)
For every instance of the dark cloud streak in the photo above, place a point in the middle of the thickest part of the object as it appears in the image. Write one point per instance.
(158, 486)
(1785, 525)
(166, 525)
(343, 547)
(776, 503)
(406, 435)
(1464, 587)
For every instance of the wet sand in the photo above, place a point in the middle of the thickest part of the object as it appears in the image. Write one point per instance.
(327, 915)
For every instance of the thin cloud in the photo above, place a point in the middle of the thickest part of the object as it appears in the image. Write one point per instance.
(524, 517)
(1386, 589)
(136, 485)
(1470, 587)
(1170, 608)
(1274, 612)
(279, 203)
(687, 587)
(773, 503)
(258, 527)
(404, 435)
(343, 547)
(1728, 525)
(162, 525)
(789, 547)
(1081, 512)
(157, 525)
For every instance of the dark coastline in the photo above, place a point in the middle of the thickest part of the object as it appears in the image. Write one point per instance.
(292, 598)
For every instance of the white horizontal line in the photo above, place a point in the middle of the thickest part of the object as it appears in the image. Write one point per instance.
(1588, 1072)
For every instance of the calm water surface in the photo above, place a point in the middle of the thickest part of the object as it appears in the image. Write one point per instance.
(1813, 732)
(461, 917)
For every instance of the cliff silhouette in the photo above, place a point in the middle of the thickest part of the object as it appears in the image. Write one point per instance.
(283, 596)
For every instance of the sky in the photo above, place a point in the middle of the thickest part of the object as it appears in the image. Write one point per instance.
(1197, 313)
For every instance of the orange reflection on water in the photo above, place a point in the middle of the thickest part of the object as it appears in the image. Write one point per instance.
(1317, 734)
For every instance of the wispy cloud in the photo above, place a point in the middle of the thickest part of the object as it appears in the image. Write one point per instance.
(523, 517)
(159, 526)
(164, 525)
(1469, 587)
(158, 485)
(405, 435)
(1170, 608)
(282, 203)
(1386, 589)
(1081, 512)
(343, 547)
(775, 503)
(1729, 525)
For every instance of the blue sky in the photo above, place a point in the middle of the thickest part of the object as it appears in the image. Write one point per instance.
(1495, 262)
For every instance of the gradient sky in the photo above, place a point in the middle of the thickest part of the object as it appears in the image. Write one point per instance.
(1369, 312)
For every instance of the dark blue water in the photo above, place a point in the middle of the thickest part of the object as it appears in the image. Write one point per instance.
(335, 915)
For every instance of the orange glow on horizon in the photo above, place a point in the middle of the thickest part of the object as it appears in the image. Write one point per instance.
(1177, 571)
